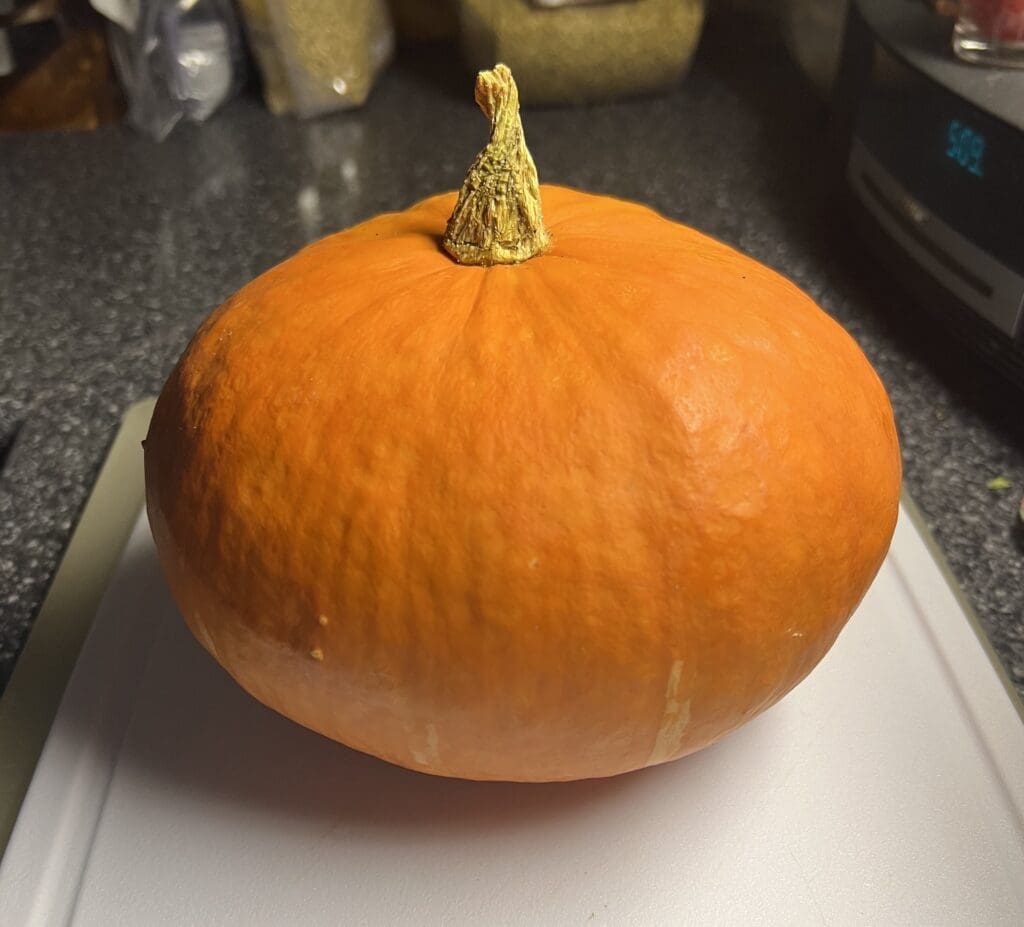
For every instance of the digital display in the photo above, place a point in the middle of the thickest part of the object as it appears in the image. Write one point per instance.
(966, 147)
(965, 166)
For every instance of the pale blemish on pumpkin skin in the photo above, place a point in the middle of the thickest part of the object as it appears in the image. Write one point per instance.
(431, 756)
(322, 621)
(674, 721)
(317, 654)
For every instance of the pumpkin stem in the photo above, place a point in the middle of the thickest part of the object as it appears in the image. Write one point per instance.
(497, 219)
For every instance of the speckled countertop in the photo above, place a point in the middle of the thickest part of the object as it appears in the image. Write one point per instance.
(113, 248)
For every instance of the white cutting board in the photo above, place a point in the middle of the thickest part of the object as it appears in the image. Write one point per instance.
(887, 789)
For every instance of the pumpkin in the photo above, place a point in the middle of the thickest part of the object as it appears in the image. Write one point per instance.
(524, 484)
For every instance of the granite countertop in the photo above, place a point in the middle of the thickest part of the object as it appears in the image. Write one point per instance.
(113, 248)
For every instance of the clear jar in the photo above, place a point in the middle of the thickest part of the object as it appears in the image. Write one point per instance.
(990, 32)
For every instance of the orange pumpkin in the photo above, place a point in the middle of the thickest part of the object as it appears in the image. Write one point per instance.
(585, 508)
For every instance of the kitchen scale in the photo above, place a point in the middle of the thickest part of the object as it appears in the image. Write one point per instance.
(934, 158)
(886, 789)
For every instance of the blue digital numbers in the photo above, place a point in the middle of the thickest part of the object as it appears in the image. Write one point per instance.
(966, 147)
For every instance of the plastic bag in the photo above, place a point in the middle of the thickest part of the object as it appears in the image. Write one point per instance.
(177, 59)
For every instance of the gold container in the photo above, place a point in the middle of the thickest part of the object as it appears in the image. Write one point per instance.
(583, 52)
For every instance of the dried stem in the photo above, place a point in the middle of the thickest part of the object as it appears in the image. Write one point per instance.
(497, 219)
